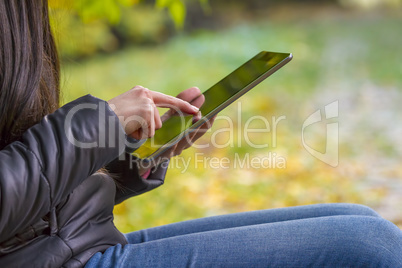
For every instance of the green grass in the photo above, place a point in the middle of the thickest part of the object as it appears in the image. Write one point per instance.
(341, 59)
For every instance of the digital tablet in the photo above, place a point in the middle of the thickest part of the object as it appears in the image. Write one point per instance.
(217, 97)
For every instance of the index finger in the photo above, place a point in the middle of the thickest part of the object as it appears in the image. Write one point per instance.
(166, 101)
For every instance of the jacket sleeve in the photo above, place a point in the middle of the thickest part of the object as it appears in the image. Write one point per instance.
(128, 181)
(52, 158)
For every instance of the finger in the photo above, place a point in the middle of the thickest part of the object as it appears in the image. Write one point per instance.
(198, 101)
(137, 134)
(171, 112)
(197, 117)
(168, 153)
(151, 124)
(189, 94)
(208, 124)
(203, 129)
(192, 95)
(177, 151)
(157, 118)
(188, 140)
(147, 122)
(166, 101)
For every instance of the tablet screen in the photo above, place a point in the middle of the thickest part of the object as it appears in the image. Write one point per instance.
(217, 97)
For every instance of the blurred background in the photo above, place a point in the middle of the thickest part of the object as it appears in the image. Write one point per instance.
(344, 50)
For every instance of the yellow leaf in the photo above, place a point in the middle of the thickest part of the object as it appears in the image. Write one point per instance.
(178, 12)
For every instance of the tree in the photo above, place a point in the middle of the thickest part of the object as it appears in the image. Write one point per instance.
(89, 10)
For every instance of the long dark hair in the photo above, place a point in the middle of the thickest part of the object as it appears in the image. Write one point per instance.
(29, 67)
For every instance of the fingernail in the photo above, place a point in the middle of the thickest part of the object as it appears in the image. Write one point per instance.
(196, 109)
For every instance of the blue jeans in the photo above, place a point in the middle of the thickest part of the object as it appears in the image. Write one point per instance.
(333, 235)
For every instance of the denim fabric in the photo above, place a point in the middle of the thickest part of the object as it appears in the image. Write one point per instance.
(331, 235)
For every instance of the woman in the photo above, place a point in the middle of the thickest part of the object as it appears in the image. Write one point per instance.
(56, 200)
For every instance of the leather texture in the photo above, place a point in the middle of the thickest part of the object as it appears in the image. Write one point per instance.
(56, 209)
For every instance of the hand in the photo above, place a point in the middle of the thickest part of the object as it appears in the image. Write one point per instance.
(136, 110)
(194, 96)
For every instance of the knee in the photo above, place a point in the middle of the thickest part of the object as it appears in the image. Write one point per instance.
(371, 241)
(351, 209)
(361, 210)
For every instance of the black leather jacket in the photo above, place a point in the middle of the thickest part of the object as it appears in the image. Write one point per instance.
(55, 208)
